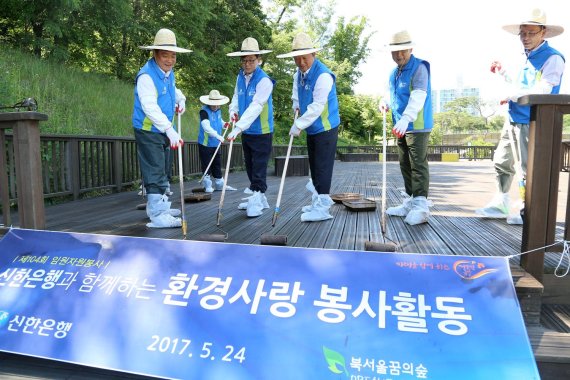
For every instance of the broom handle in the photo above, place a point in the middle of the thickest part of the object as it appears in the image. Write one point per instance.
(219, 217)
(213, 157)
(281, 185)
(181, 175)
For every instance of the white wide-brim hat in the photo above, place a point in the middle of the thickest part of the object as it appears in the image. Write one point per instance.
(165, 40)
(214, 98)
(400, 41)
(302, 44)
(537, 17)
(249, 46)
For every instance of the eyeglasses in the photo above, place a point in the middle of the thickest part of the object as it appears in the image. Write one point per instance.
(529, 34)
(249, 60)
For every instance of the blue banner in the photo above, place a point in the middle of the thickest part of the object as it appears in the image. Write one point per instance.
(198, 310)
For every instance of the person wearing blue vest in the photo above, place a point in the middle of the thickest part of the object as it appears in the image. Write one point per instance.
(314, 97)
(210, 136)
(252, 111)
(541, 73)
(155, 100)
(412, 117)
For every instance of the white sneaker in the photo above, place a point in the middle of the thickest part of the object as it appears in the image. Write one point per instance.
(247, 190)
(498, 207)
(403, 209)
(168, 192)
(419, 213)
(255, 205)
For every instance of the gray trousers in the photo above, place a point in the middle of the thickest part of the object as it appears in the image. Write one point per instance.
(504, 160)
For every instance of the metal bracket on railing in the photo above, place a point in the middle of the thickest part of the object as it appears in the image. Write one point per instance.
(28, 104)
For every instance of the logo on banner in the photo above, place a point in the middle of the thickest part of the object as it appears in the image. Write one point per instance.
(471, 269)
(4, 316)
(335, 360)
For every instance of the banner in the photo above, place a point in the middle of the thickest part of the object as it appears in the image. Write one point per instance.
(197, 310)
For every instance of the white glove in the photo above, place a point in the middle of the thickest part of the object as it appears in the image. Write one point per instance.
(401, 126)
(233, 134)
(181, 107)
(294, 131)
(174, 137)
(220, 138)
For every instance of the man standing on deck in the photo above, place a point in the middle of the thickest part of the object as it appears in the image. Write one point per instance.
(541, 74)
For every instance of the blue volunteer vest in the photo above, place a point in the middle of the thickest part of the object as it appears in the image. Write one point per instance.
(264, 122)
(165, 96)
(329, 118)
(400, 91)
(215, 118)
(529, 75)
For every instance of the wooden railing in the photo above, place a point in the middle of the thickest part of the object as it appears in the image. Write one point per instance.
(74, 165)
(465, 152)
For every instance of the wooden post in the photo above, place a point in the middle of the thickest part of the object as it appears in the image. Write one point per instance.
(4, 188)
(29, 184)
(543, 169)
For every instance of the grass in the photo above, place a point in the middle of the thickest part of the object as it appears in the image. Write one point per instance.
(76, 102)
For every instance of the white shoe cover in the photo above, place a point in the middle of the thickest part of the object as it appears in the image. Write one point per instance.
(515, 219)
(419, 213)
(174, 212)
(164, 221)
(207, 182)
(319, 211)
(403, 209)
(219, 185)
(255, 205)
(498, 208)
(264, 201)
(308, 208)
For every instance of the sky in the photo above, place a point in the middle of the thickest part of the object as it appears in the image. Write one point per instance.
(460, 39)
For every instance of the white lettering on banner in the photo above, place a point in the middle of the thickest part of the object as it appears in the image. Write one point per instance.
(35, 325)
(371, 367)
(124, 285)
(410, 312)
(205, 350)
(335, 302)
(61, 260)
(24, 277)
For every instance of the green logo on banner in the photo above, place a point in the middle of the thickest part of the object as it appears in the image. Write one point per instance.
(335, 361)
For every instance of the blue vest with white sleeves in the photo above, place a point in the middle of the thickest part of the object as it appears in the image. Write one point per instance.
(329, 118)
(215, 118)
(165, 96)
(529, 75)
(264, 122)
(400, 91)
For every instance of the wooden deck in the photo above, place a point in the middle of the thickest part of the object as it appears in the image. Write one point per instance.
(457, 189)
